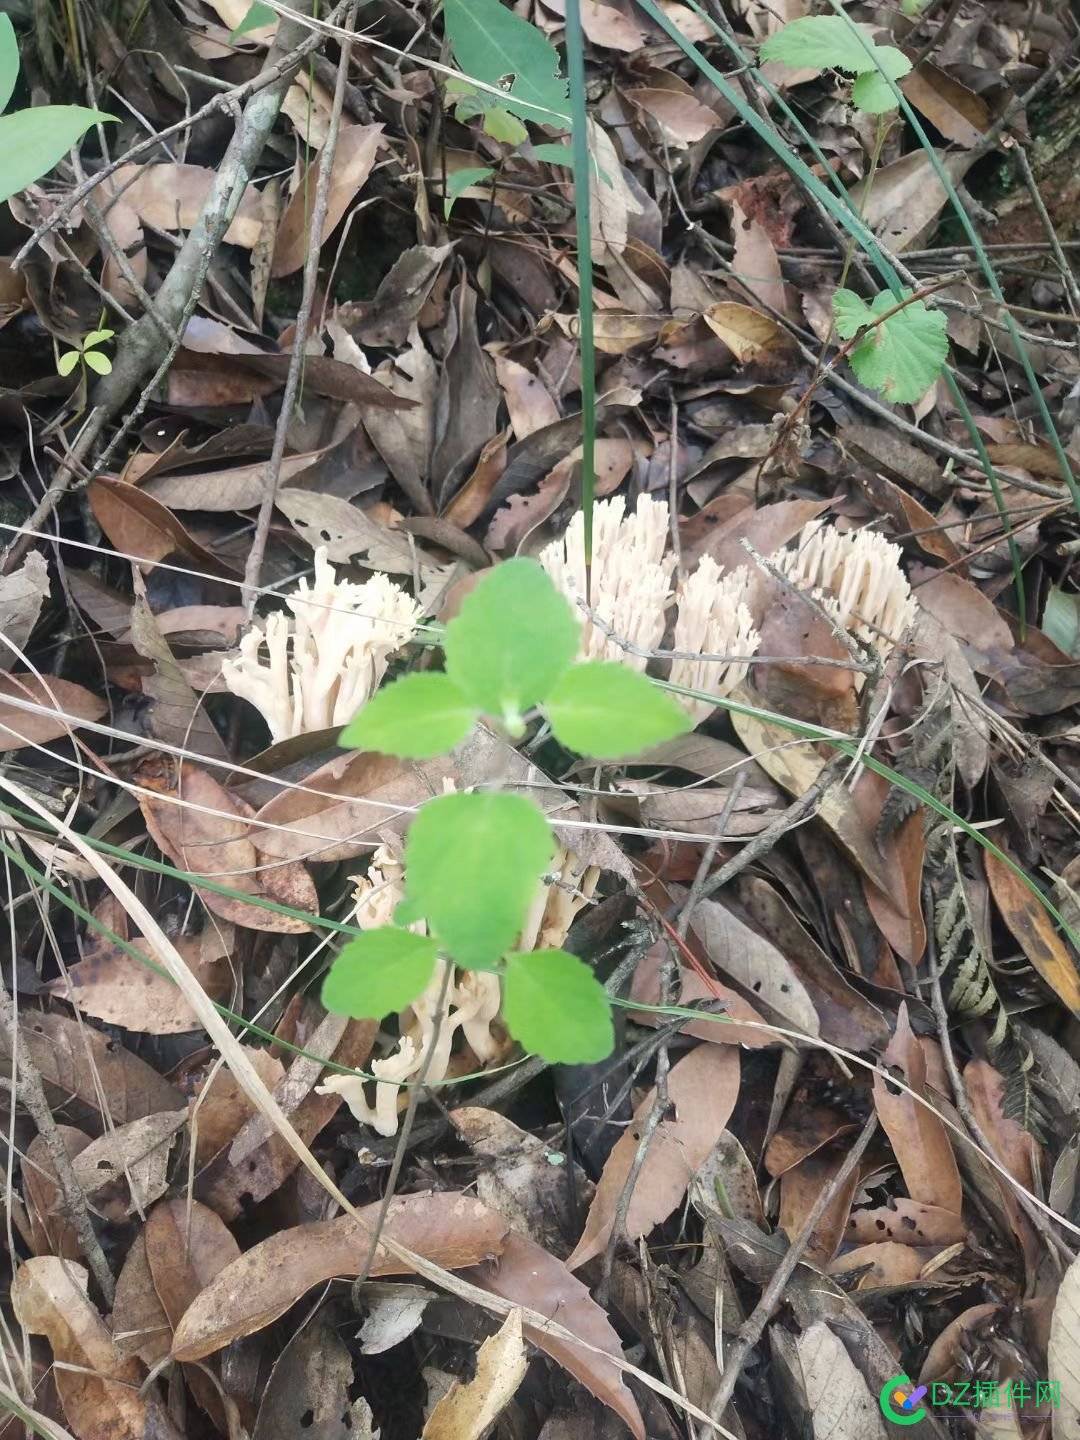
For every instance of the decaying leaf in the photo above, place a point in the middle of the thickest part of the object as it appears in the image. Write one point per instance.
(469, 1411)
(918, 1137)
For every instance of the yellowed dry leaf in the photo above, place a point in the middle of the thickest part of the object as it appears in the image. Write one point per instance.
(466, 1412)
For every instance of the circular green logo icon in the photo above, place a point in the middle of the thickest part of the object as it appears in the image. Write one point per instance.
(899, 1401)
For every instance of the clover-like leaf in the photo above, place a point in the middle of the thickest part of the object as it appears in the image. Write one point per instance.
(379, 972)
(100, 364)
(473, 864)
(67, 362)
(513, 637)
(606, 710)
(416, 716)
(901, 356)
(554, 1005)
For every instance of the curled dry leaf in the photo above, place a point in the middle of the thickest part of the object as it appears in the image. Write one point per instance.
(528, 1276)
(451, 1230)
(99, 1389)
(702, 1090)
(919, 1139)
(467, 1412)
(125, 1170)
(203, 829)
(1035, 932)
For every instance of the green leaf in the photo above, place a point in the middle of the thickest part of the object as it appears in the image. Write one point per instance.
(33, 141)
(513, 637)
(67, 362)
(903, 355)
(554, 1005)
(554, 152)
(97, 337)
(460, 181)
(379, 972)
(871, 93)
(850, 313)
(606, 710)
(504, 127)
(97, 362)
(492, 44)
(472, 867)
(257, 16)
(416, 717)
(1061, 620)
(9, 60)
(818, 42)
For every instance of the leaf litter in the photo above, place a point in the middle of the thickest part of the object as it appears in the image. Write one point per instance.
(836, 957)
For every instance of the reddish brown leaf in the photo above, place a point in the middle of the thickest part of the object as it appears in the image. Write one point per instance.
(68, 703)
(451, 1230)
(52, 1231)
(1035, 932)
(355, 155)
(138, 525)
(919, 1139)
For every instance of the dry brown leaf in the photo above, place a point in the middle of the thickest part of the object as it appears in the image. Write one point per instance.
(959, 113)
(126, 1169)
(527, 400)
(68, 703)
(468, 1411)
(800, 1187)
(610, 28)
(402, 294)
(1034, 931)
(908, 1222)
(78, 1062)
(702, 1089)
(405, 438)
(238, 488)
(1015, 1147)
(755, 263)
(451, 1230)
(919, 1139)
(879, 1265)
(1063, 1354)
(22, 594)
(345, 530)
(838, 1399)
(758, 968)
(52, 1232)
(140, 526)
(99, 1389)
(112, 986)
(221, 1108)
(308, 1390)
(140, 1325)
(353, 160)
(682, 119)
(467, 399)
(171, 197)
(527, 1275)
(906, 196)
(203, 828)
(692, 989)
(749, 334)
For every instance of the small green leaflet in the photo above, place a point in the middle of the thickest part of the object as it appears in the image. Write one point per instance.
(606, 710)
(33, 141)
(379, 972)
(257, 16)
(459, 182)
(830, 42)
(554, 1005)
(901, 356)
(554, 153)
(871, 92)
(97, 362)
(9, 60)
(492, 44)
(513, 637)
(1061, 620)
(473, 865)
(417, 716)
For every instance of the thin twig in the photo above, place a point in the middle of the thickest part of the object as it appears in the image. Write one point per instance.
(253, 567)
(753, 1327)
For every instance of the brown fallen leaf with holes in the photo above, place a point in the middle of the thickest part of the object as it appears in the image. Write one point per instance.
(99, 1389)
(451, 1230)
(126, 1169)
(702, 1090)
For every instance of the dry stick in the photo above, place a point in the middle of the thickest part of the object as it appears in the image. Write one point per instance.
(754, 1325)
(960, 1098)
(140, 348)
(1068, 279)
(32, 1094)
(321, 204)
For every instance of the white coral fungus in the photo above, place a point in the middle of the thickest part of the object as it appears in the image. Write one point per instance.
(631, 577)
(713, 619)
(470, 1000)
(857, 575)
(326, 661)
